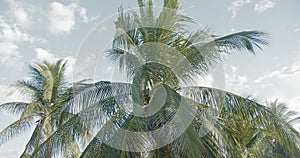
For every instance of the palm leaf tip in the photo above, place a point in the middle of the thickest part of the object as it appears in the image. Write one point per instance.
(245, 40)
(13, 107)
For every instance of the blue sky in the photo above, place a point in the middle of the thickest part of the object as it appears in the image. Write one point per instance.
(32, 31)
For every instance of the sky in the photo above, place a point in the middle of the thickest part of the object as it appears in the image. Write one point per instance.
(33, 31)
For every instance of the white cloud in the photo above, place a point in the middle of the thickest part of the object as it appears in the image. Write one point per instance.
(234, 82)
(21, 16)
(20, 12)
(16, 20)
(10, 36)
(236, 5)
(218, 76)
(12, 32)
(260, 6)
(9, 56)
(297, 28)
(8, 49)
(44, 55)
(13, 64)
(62, 18)
(83, 15)
(281, 84)
(9, 53)
(264, 5)
(284, 72)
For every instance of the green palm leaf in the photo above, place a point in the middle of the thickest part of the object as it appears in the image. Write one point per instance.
(252, 113)
(13, 107)
(16, 128)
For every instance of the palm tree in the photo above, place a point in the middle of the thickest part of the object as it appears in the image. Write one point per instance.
(161, 57)
(252, 140)
(282, 111)
(47, 90)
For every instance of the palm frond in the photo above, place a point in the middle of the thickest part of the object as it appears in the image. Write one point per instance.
(282, 111)
(294, 121)
(13, 107)
(16, 128)
(29, 148)
(37, 77)
(188, 144)
(95, 93)
(29, 89)
(125, 60)
(79, 126)
(245, 40)
(88, 111)
(32, 110)
(254, 114)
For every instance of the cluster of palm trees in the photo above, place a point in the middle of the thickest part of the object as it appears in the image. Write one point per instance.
(79, 119)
